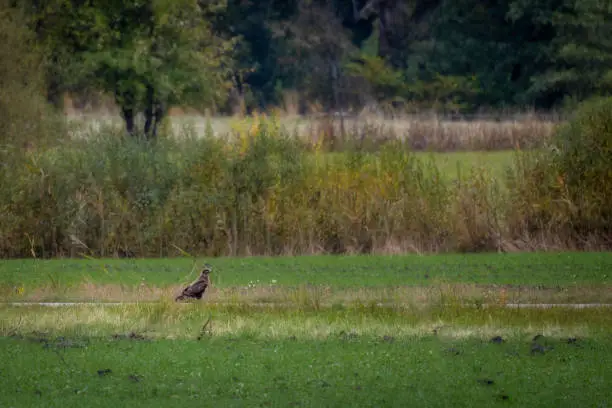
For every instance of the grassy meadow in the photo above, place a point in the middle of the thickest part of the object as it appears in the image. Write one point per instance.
(308, 331)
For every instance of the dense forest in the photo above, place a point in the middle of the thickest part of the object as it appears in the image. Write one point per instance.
(450, 55)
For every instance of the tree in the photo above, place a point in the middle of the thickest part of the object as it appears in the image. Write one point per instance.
(533, 21)
(149, 54)
(502, 44)
(398, 69)
(399, 23)
(583, 49)
(317, 44)
(258, 54)
(153, 53)
(23, 111)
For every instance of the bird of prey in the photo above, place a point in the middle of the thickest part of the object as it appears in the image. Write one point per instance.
(197, 288)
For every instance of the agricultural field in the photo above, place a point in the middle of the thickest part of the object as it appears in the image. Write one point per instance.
(309, 331)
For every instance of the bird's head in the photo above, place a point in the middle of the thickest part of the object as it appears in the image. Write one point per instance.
(206, 269)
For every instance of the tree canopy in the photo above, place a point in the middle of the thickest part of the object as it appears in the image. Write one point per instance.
(149, 55)
(22, 105)
(424, 54)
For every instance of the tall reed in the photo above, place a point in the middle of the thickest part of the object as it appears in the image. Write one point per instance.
(260, 190)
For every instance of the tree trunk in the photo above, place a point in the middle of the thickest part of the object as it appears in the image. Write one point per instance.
(126, 102)
(159, 112)
(384, 28)
(149, 112)
(54, 94)
(154, 114)
(338, 105)
(128, 118)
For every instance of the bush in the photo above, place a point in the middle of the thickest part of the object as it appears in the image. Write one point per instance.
(263, 192)
(564, 191)
(96, 195)
(584, 162)
(25, 118)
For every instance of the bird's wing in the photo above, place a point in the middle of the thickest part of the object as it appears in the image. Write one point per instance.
(197, 287)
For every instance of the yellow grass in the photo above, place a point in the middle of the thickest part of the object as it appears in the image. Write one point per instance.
(310, 296)
(168, 320)
(425, 132)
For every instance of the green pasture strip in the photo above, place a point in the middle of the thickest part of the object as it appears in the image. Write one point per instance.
(357, 372)
(546, 269)
(451, 165)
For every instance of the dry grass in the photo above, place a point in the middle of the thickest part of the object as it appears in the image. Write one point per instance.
(319, 297)
(422, 132)
(432, 133)
(168, 320)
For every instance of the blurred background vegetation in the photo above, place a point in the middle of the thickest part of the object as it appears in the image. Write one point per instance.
(438, 55)
(344, 186)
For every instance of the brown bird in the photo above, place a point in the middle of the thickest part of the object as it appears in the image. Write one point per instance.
(197, 288)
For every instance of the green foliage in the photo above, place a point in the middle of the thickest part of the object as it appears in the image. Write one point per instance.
(535, 207)
(266, 192)
(566, 187)
(390, 85)
(150, 55)
(385, 81)
(25, 121)
(335, 272)
(583, 49)
(318, 43)
(584, 162)
(444, 93)
(434, 55)
(254, 371)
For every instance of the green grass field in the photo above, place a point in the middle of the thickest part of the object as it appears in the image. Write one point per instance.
(161, 355)
(317, 331)
(325, 280)
(451, 163)
(237, 372)
(549, 269)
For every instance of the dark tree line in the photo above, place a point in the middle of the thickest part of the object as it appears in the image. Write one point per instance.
(456, 53)
(420, 54)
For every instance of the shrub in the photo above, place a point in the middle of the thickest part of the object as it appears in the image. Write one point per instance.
(236, 199)
(26, 124)
(584, 161)
(534, 211)
(563, 191)
(478, 212)
(261, 191)
(25, 118)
